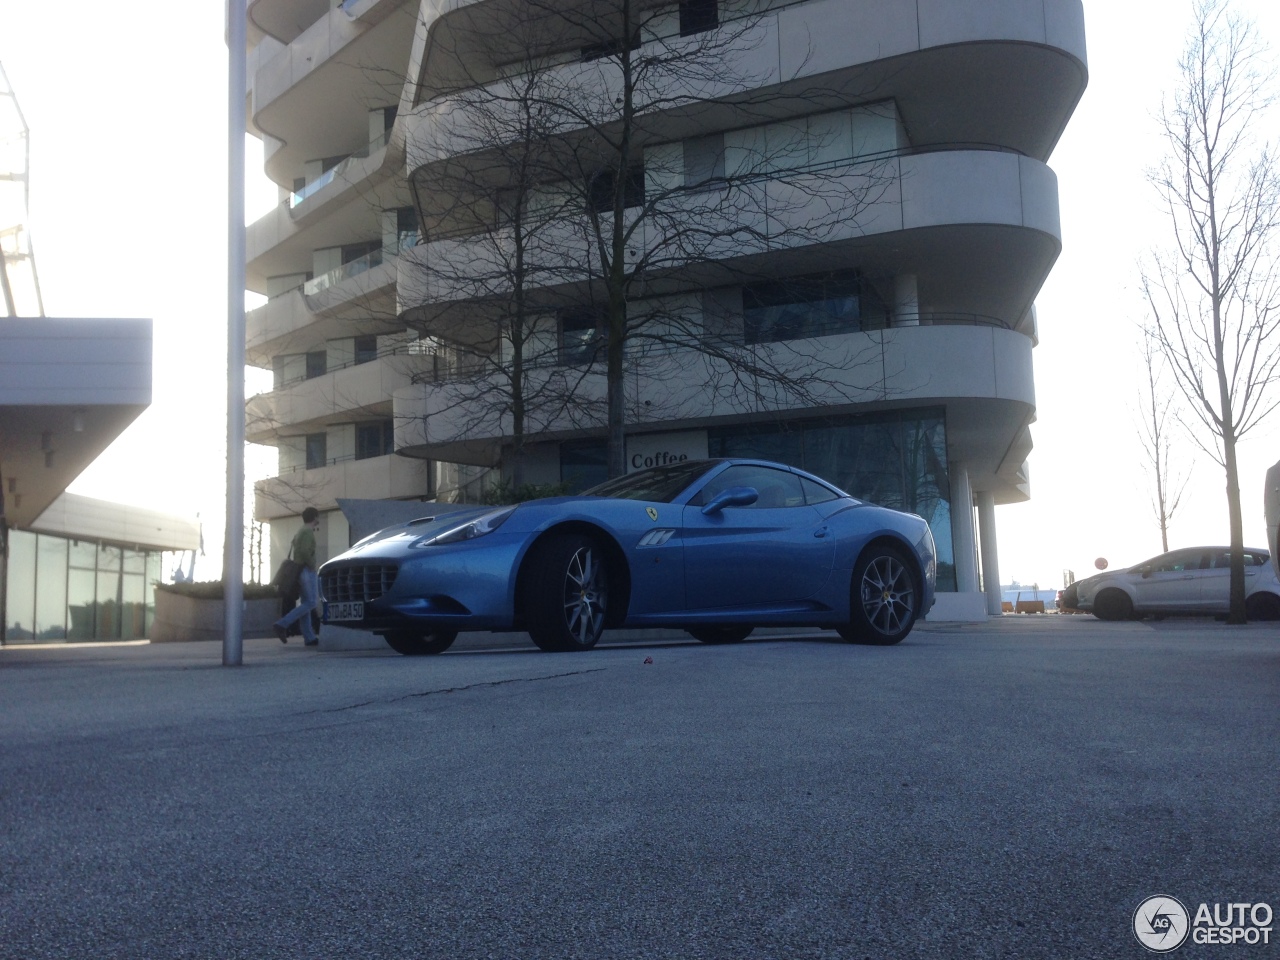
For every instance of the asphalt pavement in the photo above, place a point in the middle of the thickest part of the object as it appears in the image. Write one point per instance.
(1009, 789)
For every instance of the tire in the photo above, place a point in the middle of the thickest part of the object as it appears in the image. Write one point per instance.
(720, 634)
(1262, 606)
(412, 644)
(885, 597)
(1113, 605)
(565, 597)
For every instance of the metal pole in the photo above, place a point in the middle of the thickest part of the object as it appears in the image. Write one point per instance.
(233, 546)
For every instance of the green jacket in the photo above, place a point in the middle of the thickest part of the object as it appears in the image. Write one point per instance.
(303, 548)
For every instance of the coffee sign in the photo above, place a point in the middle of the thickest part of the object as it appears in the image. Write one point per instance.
(658, 449)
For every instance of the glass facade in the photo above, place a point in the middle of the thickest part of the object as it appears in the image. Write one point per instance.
(897, 460)
(67, 590)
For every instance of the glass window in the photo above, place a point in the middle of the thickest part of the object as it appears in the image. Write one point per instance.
(133, 607)
(107, 608)
(109, 558)
(581, 334)
(776, 488)
(704, 160)
(154, 573)
(697, 16)
(80, 603)
(658, 484)
(816, 492)
(802, 307)
(406, 227)
(601, 189)
(51, 576)
(366, 349)
(317, 363)
(20, 605)
(583, 464)
(317, 452)
(373, 439)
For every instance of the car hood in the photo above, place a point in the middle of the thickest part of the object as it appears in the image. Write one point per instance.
(427, 525)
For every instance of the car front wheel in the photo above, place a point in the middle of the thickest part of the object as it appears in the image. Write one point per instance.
(413, 644)
(885, 598)
(566, 593)
(1113, 605)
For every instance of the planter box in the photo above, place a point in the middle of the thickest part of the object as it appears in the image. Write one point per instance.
(189, 618)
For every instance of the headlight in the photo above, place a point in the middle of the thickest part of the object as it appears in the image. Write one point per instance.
(485, 523)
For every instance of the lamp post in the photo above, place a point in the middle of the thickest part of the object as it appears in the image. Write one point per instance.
(233, 545)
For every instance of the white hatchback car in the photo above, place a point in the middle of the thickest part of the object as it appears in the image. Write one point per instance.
(1194, 580)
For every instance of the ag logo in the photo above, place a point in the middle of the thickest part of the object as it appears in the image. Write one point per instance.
(1161, 924)
(653, 514)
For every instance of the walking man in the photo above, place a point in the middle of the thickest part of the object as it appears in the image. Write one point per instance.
(303, 550)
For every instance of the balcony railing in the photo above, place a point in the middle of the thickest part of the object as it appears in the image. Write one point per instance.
(578, 355)
(345, 272)
(411, 348)
(326, 178)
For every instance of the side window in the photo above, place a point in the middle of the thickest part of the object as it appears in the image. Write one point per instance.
(816, 492)
(777, 488)
(1177, 562)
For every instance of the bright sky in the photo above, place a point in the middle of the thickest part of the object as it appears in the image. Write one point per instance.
(128, 219)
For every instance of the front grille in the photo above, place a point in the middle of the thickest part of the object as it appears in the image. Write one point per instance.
(358, 581)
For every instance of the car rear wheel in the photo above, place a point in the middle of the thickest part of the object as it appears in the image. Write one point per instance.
(720, 634)
(565, 596)
(1113, 605)
(885, 598)
(1262, 606)
(413, 644)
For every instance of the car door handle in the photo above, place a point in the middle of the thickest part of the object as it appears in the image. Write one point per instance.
(821, 532)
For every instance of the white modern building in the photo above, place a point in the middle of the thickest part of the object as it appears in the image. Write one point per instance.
(915, 298)
(73, 568)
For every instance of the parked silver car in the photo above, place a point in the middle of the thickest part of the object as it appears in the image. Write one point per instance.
(1193, 580)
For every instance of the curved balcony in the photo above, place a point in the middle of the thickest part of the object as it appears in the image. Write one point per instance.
(295, 323)
(314, 95)
(980, 227)
(354, 392)
(375, 478)
(1007, 73)
(981, 372)
(345, 209)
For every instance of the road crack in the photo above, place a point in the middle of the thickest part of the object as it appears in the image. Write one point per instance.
(461, 689)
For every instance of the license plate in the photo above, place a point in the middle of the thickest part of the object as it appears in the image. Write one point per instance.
(354, 610)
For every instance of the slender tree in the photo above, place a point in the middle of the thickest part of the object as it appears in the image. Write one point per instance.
(1213, 293)
(1155, 406)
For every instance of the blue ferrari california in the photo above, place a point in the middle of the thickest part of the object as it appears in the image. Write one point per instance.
(713, 547)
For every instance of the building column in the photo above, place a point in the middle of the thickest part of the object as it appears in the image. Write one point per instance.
(906, 301)
(962, 533)
(990, 555)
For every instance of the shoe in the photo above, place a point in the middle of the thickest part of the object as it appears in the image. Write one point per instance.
(282, 633)
(311, 643)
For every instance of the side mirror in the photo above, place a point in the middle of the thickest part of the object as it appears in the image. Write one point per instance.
(1146, 572)
(731, 497)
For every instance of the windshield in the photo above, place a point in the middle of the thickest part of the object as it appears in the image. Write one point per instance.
(657, 484)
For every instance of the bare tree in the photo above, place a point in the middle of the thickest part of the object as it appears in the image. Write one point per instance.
(551, 184)
(1213, 296)
(1155, 405)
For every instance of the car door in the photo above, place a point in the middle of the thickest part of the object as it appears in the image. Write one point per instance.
(774, 550)
(1215, 582)
(1171, 581)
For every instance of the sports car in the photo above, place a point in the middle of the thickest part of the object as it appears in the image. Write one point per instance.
(714, 547)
